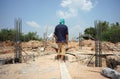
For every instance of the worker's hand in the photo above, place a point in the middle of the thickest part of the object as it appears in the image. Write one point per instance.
(67, 42)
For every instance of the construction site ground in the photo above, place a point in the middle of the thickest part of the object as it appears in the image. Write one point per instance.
(45, 66)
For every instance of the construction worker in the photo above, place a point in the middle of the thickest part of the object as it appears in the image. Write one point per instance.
(61, 38)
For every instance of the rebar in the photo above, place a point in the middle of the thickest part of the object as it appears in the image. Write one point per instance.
(80, 40)
(98, 46)
(18, 48)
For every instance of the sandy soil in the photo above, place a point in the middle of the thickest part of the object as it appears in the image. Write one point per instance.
(45, 66)
(42, 68)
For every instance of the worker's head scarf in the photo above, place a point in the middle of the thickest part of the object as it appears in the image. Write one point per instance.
(62, 21)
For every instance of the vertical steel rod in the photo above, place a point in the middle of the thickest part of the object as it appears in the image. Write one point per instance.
(98, 47)
(18, 48)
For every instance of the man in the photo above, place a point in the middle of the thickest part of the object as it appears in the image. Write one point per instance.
(61, 38)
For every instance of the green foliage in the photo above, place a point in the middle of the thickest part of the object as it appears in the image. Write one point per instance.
(9, 34)
(6, 34)
(110, 32)
(113, 33)
(90, 31)
(31, 36)
(104, 26)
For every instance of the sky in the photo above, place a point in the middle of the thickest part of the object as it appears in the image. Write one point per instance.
(43, 15)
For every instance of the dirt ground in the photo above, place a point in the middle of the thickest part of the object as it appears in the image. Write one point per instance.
(44, 65)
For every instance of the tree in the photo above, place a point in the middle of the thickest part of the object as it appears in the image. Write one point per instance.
(31, 36)
(4, 34)
(115, 29)
(9, 34)
(110, 32)
(104, 26)
(90, 31)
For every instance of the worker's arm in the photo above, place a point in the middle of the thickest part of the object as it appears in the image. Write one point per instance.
(67, 38)
(55, 38)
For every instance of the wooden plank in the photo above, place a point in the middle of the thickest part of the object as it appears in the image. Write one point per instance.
(64, 72)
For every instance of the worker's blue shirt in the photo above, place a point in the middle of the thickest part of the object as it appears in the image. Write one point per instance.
(61, 31)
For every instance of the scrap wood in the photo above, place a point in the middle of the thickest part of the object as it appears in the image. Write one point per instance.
(56, 48)
(112, 48)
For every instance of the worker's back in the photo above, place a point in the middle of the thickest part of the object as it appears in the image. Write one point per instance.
(60, 31)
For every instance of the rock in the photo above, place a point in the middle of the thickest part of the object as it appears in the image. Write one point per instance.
(42, 49)
(110, 73)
